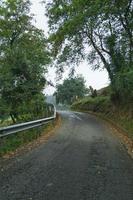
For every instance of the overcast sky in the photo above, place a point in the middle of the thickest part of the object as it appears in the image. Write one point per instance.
(97, 79)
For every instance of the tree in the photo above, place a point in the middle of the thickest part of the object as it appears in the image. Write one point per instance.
(99, 31)
(23, 58)
(93, 92)
(71, 90)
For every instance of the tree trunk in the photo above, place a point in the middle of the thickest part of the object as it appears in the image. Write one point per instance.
(13, 118)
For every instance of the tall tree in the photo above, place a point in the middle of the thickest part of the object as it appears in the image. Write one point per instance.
(23, 58)
(70, 90)
(99, 31)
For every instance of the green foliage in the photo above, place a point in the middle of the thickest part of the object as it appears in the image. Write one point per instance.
(99, 31)
(93, 92)
(70, 90)
(12, 142)
(23, 60)
(123, 87)
(93, 104)
(103, 25)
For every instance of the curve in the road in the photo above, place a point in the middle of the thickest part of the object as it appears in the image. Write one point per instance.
(84, 161)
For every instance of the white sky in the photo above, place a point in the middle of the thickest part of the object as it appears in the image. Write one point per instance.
(97, 79)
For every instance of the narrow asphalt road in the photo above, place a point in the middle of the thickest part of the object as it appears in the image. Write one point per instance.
(82, 161)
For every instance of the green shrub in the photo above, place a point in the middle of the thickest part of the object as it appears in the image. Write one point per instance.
(93, 104)
(12, 142)
(122, 88)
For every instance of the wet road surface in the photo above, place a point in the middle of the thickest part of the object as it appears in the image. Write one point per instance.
(82, 161)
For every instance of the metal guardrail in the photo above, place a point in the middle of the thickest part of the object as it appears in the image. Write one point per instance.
(4, 131)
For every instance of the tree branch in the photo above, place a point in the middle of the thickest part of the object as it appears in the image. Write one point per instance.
(106, 64)
(101, 44)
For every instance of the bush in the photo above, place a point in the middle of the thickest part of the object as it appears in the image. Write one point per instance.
(97, 104)
(11, 142)
(122, 88)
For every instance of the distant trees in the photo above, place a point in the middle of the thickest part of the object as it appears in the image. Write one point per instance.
(23, 60)
(71, 90)
(99, 31)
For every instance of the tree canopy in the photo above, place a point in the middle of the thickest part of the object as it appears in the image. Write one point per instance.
(71, 89)
(103, 25)
(23, 58)
(98, 31)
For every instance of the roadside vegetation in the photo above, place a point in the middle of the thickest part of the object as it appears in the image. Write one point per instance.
(11, 143)
(99, 32)
(102, 106)
(24, 57)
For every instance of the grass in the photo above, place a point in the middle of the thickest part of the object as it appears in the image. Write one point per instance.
(12, 142)
(5, 122)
